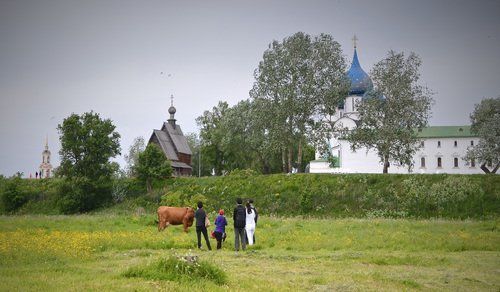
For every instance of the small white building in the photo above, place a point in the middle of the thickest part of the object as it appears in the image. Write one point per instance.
(441, 151)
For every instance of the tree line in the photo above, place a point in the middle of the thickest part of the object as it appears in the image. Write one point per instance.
(299, 85)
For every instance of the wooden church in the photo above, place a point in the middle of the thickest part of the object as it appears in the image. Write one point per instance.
(174, 144)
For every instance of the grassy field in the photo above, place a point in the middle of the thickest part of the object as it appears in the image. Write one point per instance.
(120, 252)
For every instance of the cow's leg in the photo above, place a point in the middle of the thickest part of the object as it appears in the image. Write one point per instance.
(162, 223)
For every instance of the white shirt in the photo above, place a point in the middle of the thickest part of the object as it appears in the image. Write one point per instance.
(250, 218)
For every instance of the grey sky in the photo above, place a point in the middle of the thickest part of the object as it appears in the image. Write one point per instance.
(63, 57)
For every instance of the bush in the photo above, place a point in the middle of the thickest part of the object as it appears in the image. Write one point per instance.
(181, 269)
(80, 194)
(13, 197)
(316, 195)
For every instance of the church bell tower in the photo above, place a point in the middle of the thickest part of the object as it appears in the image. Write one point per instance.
(45, 166)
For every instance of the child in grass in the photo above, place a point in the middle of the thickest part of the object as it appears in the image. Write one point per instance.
(220, 228)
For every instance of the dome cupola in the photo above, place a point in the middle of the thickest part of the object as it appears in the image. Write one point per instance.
(171, 111)
(360, 81)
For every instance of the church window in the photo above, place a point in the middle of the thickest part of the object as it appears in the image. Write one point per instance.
(455, 143)
(439, 162)
(455, 162)
(471, 142)
(472, 162)
(439, 144)
(422, 144)
(422, 162)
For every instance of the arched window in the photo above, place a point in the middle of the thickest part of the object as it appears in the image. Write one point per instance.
(439, 162)
(455, 143)
(455, 162)
(439, 144)
(422, 162)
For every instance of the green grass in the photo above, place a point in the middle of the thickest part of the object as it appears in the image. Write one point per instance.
(122, 252)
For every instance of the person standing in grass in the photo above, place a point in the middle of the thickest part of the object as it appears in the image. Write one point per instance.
(250, 201)
(200, 216)
(220, 228)
(239, 219)
(250, 223)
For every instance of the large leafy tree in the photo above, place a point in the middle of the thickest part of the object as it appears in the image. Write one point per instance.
(87, 145)
(486, 125)
(393, 110)
(152, 165)
(300, 79)
(235, 138)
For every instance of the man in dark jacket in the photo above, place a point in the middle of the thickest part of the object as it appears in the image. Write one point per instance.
(200, 225)
(239, 217)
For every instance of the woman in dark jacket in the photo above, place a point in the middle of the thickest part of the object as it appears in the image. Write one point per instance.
(200, 216)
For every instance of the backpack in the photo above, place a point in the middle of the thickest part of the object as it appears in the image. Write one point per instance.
(240, 217)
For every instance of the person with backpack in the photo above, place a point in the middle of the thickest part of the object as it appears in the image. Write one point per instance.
(239, 218)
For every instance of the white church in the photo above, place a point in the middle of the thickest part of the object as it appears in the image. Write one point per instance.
(441, 148)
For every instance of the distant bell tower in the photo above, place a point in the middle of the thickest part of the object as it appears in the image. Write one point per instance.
(45, 166)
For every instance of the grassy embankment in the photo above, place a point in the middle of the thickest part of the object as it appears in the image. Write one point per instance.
(111, 252)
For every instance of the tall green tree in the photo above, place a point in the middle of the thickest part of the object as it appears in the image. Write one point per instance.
(87, 145)
(486, 125)
(212, 134)
(391, 112)
(201, 165)
(152, 165)
(300, 78)
(131, 158)
(238, 136)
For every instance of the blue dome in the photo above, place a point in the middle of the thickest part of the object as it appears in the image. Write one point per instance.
(360, 81)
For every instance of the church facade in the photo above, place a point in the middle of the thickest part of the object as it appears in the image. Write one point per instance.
(174, 144)
(441, 148)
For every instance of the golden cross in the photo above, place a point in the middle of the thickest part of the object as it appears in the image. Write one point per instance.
(171, 100)
(354, 40)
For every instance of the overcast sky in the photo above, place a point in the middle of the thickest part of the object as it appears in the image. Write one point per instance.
(64, 57)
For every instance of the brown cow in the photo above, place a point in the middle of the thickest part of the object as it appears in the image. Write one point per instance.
(175, 216)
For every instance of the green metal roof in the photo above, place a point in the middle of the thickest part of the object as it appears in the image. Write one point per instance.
(445, 132)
